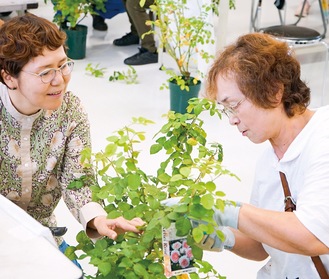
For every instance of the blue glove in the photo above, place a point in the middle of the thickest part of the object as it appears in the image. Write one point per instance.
(230, 216)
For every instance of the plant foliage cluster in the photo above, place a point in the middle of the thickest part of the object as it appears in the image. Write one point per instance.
(189, 169)
(181, 35)
(129, 77)
(74, 11)
(182, 32)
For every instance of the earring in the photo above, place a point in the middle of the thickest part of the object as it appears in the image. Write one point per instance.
(14, 88)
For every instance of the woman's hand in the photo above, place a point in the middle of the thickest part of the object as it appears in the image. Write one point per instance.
(113, 227)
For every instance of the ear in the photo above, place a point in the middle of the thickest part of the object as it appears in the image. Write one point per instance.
(9, 80)
(279, 94)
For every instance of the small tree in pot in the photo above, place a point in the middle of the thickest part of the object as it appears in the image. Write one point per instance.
(68, 15)
(74, 11)
(182, 33)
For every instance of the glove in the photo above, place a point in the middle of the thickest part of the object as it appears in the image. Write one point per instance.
(171, 201)
(230, 216)
(211, 242)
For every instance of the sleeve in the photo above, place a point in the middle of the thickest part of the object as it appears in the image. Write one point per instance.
(312, 201)
(78, 201)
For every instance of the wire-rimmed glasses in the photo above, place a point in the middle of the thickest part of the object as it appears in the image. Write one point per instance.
(49, 74)
(230, 110)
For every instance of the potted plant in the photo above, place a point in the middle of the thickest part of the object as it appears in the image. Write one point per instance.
(181, 33)
(69, 14)
(190, 167)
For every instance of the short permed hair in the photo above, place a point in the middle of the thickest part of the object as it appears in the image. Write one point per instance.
(261, 65)
(25, 37)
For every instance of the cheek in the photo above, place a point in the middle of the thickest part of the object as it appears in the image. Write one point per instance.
(67, 78)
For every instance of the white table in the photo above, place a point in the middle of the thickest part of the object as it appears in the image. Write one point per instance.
(28, 250)
(20, 6)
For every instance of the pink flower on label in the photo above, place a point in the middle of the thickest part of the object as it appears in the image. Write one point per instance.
(189, 253)
(176, 245)
(184, 262)
(174, 256)
(185, 245)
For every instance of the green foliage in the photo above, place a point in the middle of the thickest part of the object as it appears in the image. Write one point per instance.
(95, 70)
(216, 4)
(130, 77)
(189, 169)
(76, 10)
(181, 35)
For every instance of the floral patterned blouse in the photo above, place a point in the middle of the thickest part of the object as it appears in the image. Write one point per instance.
(40, 156)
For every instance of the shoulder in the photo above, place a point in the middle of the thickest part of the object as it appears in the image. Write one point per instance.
(72, 104)
(71, 99)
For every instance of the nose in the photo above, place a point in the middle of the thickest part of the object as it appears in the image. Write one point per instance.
(233, 119)
(58, 76)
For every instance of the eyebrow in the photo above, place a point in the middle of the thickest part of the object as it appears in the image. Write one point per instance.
(45, 67)
(224, 100)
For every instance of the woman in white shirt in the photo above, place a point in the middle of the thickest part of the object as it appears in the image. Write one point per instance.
(256, 82)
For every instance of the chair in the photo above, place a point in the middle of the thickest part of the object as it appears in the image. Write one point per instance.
(297, 37)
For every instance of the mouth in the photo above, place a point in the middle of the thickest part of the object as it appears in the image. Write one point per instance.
(55, 93)
(243, 132)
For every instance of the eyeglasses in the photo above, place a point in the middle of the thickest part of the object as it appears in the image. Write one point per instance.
(48, 75)
(229, 110)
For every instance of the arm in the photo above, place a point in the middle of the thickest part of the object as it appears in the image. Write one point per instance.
(247, 247)
(281, 230)
(90, 214)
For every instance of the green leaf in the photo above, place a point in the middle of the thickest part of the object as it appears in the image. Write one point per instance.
(105, 268)
(198, 234)
(140, 270)
(155, 148)
(207, 201)
(192, 141)
(176, 177)
(197, 211)
(164, 178)
(110, 149)
(134, 181)
(181, 208)
(69, 252)
(210, 186)
(185, 171)
(156, 268)
(183, 226)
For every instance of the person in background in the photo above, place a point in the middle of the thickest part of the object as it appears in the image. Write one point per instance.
(306, 9)
(137, 17)
(256, 82)
(44, 128)
(112, 7)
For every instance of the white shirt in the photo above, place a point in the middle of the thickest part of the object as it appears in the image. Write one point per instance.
(306, 165)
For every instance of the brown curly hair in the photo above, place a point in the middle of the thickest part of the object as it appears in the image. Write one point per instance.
(25, 37)
(261, 66)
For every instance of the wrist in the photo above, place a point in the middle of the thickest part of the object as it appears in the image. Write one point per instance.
(229, 241)
(93, 224)
(230, 216)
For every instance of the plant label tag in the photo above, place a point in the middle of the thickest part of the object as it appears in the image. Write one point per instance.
(177, 254)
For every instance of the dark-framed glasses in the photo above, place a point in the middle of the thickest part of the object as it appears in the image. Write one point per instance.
(230, 110)
(48, 75)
